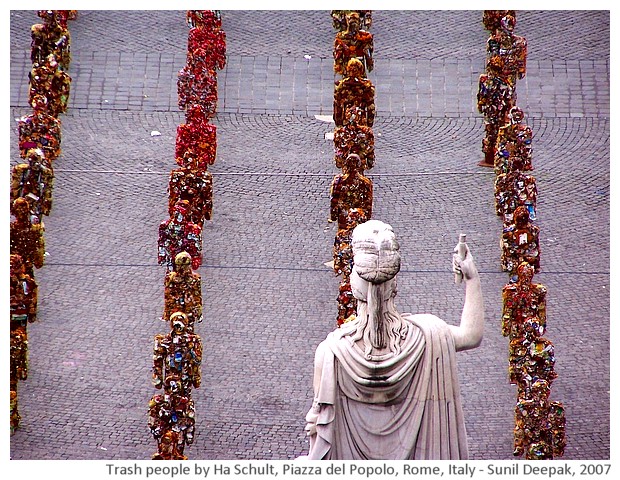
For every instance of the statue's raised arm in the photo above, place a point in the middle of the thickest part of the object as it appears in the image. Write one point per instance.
(468, 334)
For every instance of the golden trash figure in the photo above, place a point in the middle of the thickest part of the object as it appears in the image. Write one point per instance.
(178, 234)
(353, 43)
(495, 98)
(540, 424)
(209, 19)
(23, 309)
(196, 138)
(26, 238)
(182, 291)
(523, 299)
(48, 79)
(531, 356)
(512, 48)
(15, 417)
(351, 189)
(39, 130)
(343, 264)
(24, 293)
(532, 433)
(354, 90)
(51, 38)
(34, 181)
(491, 19)
(339, 19)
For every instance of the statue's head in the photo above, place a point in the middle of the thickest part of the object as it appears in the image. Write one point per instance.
(172, 384)
(376, 261)
(376, 255)
(196, 114)
(39, 102)
(52, 62)
(533, 328)
(355, 216)
(515, 163)
(516, 115)
(181, 209)
(525, 272)
(35, 157)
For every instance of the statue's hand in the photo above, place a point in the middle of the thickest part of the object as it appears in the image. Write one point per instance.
(310, 429)
(311, 418)
(464, 266)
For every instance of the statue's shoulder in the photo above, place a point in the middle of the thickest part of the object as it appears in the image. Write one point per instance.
(423, 320)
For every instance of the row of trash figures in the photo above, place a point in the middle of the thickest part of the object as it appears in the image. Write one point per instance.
(177, 355)
(540, 423)
(32, 181)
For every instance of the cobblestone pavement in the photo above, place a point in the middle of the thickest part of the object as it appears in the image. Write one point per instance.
(269, 300)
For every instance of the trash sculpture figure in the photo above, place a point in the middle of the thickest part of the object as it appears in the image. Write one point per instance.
(353, 43)
(354, 90)
(178, 234)
(351, 189)
(182, 291)
(26, 238)
(354, 136)
(34, 182)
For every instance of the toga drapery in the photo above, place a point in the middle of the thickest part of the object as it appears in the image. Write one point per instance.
(397, 407)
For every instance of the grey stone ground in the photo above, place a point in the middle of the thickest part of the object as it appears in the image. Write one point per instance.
(269, 300)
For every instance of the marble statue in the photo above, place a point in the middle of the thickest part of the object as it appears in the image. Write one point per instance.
(385, 384)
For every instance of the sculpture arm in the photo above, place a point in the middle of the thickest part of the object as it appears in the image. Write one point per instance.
(313, 414)
(469, 333)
